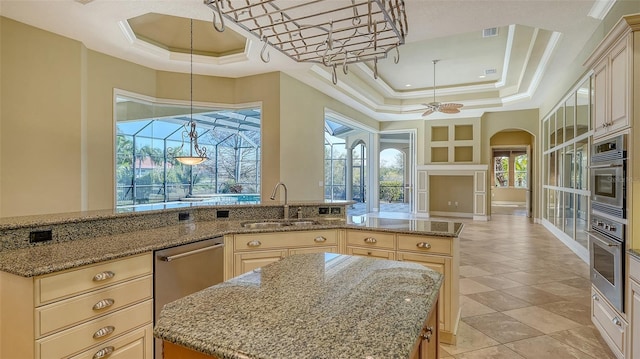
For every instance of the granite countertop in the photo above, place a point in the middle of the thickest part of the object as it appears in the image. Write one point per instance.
(308, 306)
(49, 258)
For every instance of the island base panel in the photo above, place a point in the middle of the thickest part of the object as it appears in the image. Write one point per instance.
(173, 351)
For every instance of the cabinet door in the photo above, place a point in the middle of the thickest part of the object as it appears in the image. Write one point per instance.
(245, 262)
(600, 81)
(635, 319)
(446, 303)
(376, 253)
(135, 345)
(619, 87)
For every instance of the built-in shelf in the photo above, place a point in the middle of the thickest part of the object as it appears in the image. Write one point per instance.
(463, 132)
(439, 154)
(463, 154)
(440, 133)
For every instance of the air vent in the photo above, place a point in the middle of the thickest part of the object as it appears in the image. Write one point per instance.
(490, 32)
(84, 2)
(488, 72)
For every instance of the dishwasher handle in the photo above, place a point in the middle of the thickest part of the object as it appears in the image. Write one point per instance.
(187, 254)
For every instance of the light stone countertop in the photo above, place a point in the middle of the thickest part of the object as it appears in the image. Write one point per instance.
(308, 306)
(49, 258)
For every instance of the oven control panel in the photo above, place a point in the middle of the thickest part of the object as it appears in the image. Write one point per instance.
(607, 227)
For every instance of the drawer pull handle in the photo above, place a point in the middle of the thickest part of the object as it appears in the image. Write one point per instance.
(616, 321)
(104, 352)
(424, 245)
(320, 239)
(370, 240)
(104, 303)
(103, 332)
(595, 297)
(254, 243)
(103, 276)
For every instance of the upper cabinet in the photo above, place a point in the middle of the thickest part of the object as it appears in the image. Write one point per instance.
(612, 64)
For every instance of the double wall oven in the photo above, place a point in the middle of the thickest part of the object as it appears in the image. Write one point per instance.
(608, 218)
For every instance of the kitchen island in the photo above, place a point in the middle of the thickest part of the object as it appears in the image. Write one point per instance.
(320, 305)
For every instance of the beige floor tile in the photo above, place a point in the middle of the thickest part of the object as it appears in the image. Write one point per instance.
(468, 339)
(577, 312)
(562, 290)
(497, 282)
(586, 339)
(501, 327)
(532, 295)
(496, 267)
(497, 352)
(541, 319)
(546, 347)
(470, 286)
(470, 308)
(472, 271)
(528, 278)
(498, 300)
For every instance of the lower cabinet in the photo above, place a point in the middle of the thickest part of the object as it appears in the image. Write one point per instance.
(428, 345)
(251, 251)
(612, 327)
(95, 311)
(634, 307)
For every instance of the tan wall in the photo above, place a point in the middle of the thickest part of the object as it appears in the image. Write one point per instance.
(443, 189)
(41, 105)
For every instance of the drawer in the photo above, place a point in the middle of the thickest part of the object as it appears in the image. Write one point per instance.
(137, 344)
(369, 252)
(608, 321)
(95, 332)
(65, 284)
(296, 239)
(371, 239)
(634, 268)
(63, 314)
(431, 245)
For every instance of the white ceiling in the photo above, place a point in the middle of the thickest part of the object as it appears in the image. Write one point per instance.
(536, 40)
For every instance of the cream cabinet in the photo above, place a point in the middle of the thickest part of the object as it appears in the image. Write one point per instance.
(442, 255)
(251, 251)
(428, 345)
(371, 243)
(96, 311)
(611, 325)
(612, 64)
(633, 307)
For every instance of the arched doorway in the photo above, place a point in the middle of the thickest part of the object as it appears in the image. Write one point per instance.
(510, 176)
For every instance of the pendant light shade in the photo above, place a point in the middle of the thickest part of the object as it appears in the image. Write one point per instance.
(197, 154)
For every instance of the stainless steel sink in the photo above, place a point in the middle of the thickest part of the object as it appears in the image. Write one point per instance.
(276, 224)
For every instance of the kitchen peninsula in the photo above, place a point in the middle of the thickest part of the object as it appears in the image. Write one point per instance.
(62, 261)
(309, 306)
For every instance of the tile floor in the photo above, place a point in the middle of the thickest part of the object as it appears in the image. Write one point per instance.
(523, 294)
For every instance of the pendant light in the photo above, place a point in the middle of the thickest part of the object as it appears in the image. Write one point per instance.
(190, 132)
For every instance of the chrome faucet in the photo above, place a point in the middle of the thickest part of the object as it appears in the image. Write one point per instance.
(286, 205)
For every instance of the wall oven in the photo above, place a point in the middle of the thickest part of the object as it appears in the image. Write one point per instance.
(608, 176)
(606, 251)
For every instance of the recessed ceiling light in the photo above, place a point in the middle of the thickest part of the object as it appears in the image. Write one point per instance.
(84, 2)
(482, 76)
(407, 85)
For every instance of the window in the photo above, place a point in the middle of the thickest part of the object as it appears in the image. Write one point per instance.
(520, 171)
(149, 135)
(510, 168)
(501, 170)
(335, 163)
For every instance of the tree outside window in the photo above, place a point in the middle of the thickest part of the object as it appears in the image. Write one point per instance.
(501, 171)
(520, 173)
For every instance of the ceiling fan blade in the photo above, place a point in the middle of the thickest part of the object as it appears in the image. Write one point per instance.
(448, 110)
(450, 105)
(428, 112)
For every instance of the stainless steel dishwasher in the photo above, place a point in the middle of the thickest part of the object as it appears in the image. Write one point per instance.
(183, 270)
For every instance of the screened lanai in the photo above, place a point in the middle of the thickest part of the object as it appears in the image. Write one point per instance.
(150, 135)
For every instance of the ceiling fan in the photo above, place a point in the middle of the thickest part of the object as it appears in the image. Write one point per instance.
(437, 106)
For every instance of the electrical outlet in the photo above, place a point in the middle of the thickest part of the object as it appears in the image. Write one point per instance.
(456, 203)
(336, 210)
(222, 213)
(449, 203)
(184, 216)
(40, 236)
(323, 210)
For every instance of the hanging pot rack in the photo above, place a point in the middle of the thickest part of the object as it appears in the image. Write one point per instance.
(328, 32)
